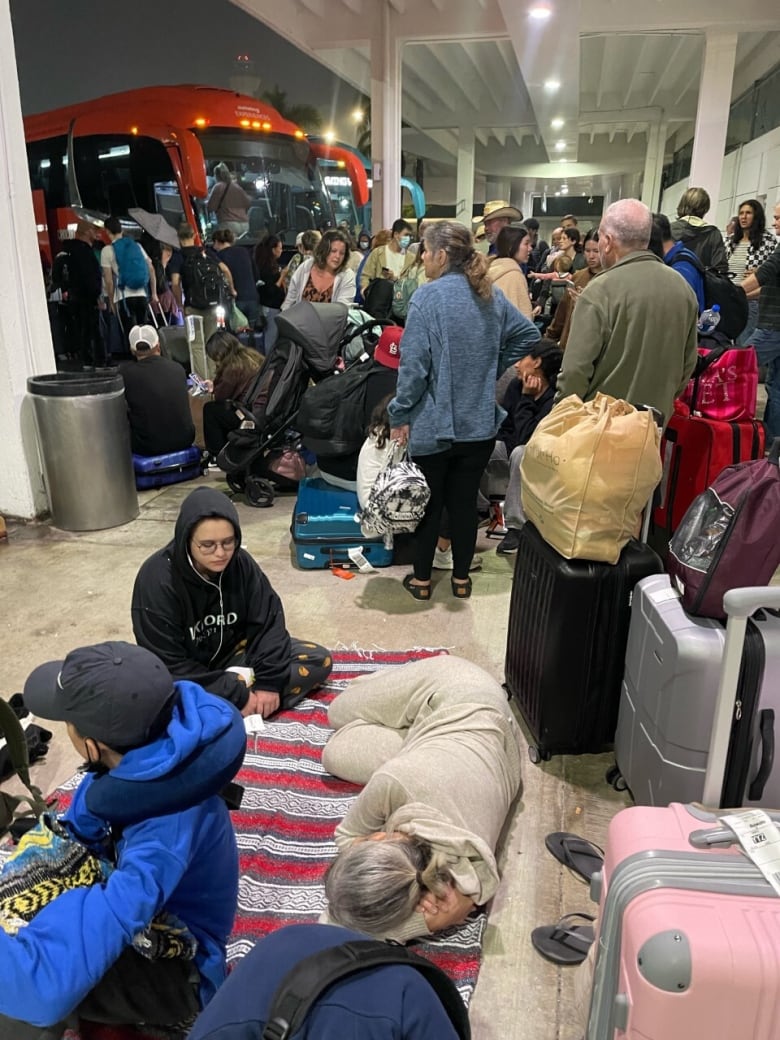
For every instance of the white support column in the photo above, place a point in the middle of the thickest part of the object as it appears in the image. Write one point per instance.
(464, 189)
(25, 339)
(497, 188)
(385, 124)
(712, 116)
(654, 165)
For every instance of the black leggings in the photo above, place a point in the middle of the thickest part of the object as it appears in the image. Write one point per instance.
(453, 477)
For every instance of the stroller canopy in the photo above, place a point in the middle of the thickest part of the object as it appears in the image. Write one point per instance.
(318, 329)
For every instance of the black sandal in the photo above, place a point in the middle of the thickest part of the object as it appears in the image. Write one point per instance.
(421, 592)
(565, 942)
(461, 589)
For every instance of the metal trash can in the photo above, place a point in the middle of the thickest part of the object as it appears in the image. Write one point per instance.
(84, 438)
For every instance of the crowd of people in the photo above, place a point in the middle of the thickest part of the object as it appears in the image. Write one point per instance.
(433, 743)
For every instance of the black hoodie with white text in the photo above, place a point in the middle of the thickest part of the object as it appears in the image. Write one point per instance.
(196, 624)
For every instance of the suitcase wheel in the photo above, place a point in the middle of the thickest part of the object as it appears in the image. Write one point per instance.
(615, 779)
(258, 492)
(537, 754)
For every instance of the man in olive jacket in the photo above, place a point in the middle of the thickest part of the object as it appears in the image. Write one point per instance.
(633, 333)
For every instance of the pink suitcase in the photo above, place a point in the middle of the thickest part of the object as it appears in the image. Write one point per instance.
(689, 933)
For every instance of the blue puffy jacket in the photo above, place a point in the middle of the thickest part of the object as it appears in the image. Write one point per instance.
(176, 851)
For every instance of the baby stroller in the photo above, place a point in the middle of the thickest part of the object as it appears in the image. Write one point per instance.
(314, 340)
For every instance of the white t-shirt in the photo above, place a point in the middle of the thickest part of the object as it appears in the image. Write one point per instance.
(394, 261)
(371, 461)
(108, 262)
(738, 261)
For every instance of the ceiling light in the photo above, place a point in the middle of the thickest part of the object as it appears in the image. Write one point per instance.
(557, 123)
(560, 146)
(557, 193)
(564, 189)
(551, 85)
(540, 12)
(329, 136)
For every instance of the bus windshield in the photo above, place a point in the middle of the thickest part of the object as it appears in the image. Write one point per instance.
(284, 185)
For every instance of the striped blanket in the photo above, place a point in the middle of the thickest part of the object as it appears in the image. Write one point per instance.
(284, 829)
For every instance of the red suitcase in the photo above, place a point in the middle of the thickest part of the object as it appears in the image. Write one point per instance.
(694, 451)
(689, 931)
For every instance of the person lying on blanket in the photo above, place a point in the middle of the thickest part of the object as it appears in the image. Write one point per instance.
(203, 605)
(158, 755)
(437, 748)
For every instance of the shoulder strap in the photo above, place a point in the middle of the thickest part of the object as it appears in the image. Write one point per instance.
(305, 983)
(11, 729)
(688, 255)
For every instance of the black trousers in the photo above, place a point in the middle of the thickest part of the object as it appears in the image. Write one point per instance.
(218, 420)
(133, 310)
(82, 332)
(453, 477)
(134, 990)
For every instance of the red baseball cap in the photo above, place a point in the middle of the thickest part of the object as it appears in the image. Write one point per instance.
(388, 350)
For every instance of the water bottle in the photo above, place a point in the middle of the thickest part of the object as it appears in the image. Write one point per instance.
(709, 319)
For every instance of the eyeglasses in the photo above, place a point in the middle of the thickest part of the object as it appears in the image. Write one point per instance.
(207, 548)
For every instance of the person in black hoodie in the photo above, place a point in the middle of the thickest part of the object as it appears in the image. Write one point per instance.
(528, 399)
(203, 605)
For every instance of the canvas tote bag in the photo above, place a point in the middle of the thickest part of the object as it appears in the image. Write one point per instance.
(587, 474)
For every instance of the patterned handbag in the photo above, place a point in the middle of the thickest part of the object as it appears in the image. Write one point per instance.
(48, 862)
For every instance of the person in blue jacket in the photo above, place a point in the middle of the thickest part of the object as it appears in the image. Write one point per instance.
(392, 1002)
(461, 335)
(158, 754)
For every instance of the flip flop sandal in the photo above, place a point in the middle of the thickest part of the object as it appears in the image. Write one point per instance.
(582, 857)
(564, 943)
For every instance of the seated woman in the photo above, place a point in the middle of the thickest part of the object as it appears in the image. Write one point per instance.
(236, 368)
(326, 277)
(203, 605)
(436, 745)
(527, 402)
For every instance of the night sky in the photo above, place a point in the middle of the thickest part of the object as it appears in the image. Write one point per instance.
(74, 50)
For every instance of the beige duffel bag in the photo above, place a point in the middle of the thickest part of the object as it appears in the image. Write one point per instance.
(587, 474)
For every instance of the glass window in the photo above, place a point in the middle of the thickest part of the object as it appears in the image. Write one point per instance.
(118, 171)
(48, 167)
(283, 185)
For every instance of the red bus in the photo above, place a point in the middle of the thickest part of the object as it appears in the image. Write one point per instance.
(156, 148)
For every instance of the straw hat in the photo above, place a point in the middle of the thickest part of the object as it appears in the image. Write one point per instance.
(498, 208)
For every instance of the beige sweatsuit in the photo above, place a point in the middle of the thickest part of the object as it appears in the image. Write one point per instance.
(437, 747)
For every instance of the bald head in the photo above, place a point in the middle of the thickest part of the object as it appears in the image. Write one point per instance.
(625, 228)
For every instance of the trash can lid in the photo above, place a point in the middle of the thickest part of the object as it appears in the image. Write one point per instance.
(75, 384)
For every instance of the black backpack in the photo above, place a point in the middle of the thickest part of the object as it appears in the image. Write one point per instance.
(305, 983)
(22, 746)
(378, 298)
(204, 282)
(719, 289)
(331, 420)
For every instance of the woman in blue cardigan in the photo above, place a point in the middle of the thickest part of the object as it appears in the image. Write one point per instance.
(461, 335)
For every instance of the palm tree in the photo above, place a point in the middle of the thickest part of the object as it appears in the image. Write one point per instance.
(306, 116)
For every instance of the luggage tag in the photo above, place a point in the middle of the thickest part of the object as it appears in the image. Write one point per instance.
(760, 840)
(356, 555)
(340, 572)
(254, 726)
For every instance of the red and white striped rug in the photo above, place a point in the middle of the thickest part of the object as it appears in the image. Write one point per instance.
(285, 826)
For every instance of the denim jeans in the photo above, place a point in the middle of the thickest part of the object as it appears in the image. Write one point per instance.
(767, 344)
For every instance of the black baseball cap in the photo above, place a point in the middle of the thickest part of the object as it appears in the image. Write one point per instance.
(117, 693)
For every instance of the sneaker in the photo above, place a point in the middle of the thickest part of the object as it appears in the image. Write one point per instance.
(442, 561)
(510, 543)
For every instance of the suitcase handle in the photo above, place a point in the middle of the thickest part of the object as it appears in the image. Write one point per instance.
(743, 603)
(739, 605)
(767, 731)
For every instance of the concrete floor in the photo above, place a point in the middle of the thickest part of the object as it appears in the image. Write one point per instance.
(62, 590)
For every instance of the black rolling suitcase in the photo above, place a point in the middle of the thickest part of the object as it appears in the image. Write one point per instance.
(566, 643)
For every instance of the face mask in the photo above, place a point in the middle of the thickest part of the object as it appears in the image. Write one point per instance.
(363, 245)
(404, 241)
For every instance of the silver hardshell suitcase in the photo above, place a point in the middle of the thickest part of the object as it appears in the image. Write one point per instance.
(679, 678)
